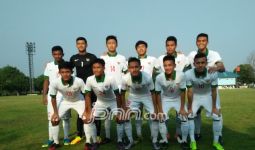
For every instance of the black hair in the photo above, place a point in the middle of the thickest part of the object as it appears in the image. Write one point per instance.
(134, 59)
(171, 38)
(99, 61)
(111, 37)
(169, 58)
(200, 55)
(203, 35)
(141, 42)
(81, 38)
(65, 65)
(57, 48)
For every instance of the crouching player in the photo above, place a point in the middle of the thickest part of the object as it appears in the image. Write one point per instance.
(141, 92)
(202, 92)
(170, 87)
(108, 102)
(71, 88)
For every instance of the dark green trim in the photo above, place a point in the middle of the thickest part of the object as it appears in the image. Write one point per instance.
(214, 86)
(186, 68)
(144, 57)
(116, 92)
(157, 92)
(53, 96)
(200, 74)
(69, 82)
(173, 76)
(46, 77)
(137, 79)
(86, 92)
(112, 55)
(100, 79)
(174, 54)
(123, 91)
(56, 62)
(183, 90)
(206, 52)
(189, 86)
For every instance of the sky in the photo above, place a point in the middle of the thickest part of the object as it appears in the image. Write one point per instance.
(230, 25)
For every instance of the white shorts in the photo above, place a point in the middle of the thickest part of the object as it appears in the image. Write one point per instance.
(135, 104)
(202, 101)
(104, 109)
(65, 106)
(168, 104)
(50, 110)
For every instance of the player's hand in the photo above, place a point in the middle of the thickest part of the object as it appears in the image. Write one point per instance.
(45, 100)
(86, 117)
(161, 117)
(215, 111)
(212, 69)
(55, 119)
(183, 112)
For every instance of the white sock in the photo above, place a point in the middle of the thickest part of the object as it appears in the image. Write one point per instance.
(154, 130)
(66, 127)
(191, 130)
(163, 131)
(128, 130)
(197, 121)
(50, 131)
(217, 128)
(120, 131)
(107, 125)
(184, 130)
(90, 132)
(138, 125)
(55, 132)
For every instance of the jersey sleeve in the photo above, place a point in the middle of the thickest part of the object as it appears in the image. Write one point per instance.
(123, 84)
(183, 83)
(82, 86)
(46, 71)
(114, 84)
(157, 85)
(151, 84)
(216, 57)
(88, 86)
(214, 82)
(53, 89)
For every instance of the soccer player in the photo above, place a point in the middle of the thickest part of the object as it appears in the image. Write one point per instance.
(83, 64)
(108, 97)
(170, 89)
(71, 88)
(51, 73)
(182, 64)
(141, 92)
(115, 65)
(214, 64)
(202, 92)
(148, 64)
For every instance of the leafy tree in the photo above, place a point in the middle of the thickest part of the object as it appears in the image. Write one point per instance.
(246, 74)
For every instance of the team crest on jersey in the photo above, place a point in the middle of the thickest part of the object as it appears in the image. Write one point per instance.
(149, 63)
(118, 62)
(87, 59)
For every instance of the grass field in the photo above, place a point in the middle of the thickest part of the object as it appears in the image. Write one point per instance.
(23, 124)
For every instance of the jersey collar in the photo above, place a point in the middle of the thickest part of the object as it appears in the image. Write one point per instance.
(56, 63)
(200, 74)
(137, 79)
(145, 56)
(100, 79)
(112, 55)
(173, 76)
(206, 51)
(69, 83)
(174, 54)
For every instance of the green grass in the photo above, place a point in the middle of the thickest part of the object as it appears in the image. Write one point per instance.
(23, 124)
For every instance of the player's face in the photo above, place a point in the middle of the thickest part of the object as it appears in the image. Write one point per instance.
(169, 66)
(134, 68)
(98, 69)
(81, 45)
(200, 64)
(57, 55)
(65, 74)
(202, 43)
(111, 45)
(170, 47)
(141, 50)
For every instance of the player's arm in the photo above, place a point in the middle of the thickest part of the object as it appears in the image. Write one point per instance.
(45, 89)
(190, 98)
(55, 116)
(158, 99)
(88, 109)
(214, 86)
(182, 109)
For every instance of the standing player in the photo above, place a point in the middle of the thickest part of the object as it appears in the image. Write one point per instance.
(141, 92)
(83, 64)
(147, 65)
(115, 65)
(215, 64)
(170, 87)
(182, 64)
(71, 88)
(51, 73)
(202, 92)
(108, 96)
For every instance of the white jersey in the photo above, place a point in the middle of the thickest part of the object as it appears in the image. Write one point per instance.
(148, 63)
(138, 89)
(201, 85)
(51, 71)
(181, 62)
(71, 92)
(115, 66)
(170, 89)
(212, 58)
(103, 89)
